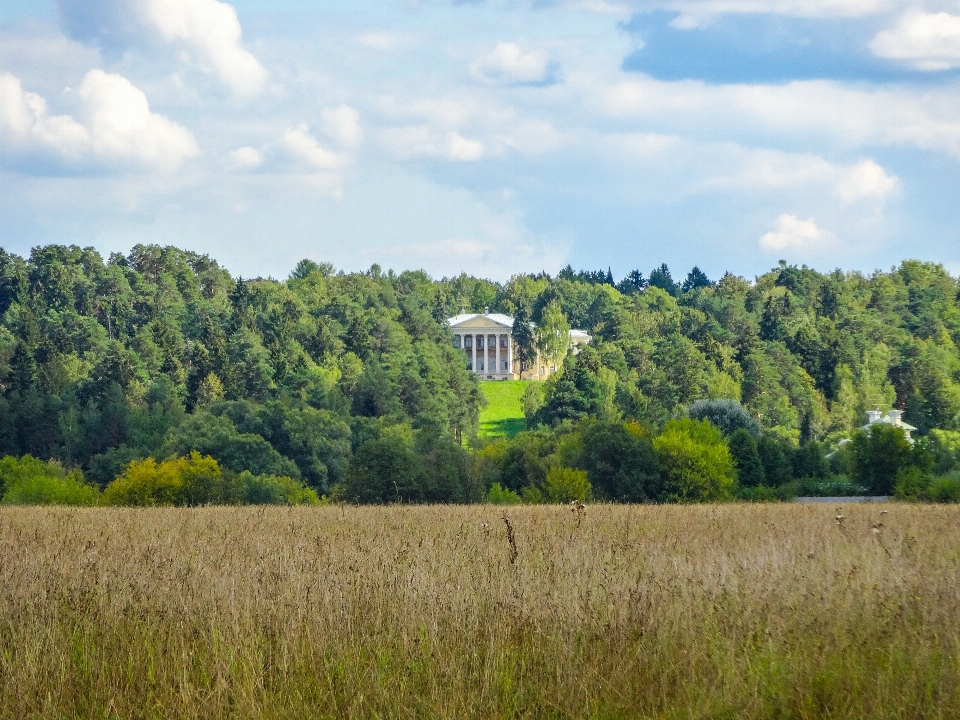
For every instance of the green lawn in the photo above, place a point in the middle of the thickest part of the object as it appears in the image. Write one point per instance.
(503, 415)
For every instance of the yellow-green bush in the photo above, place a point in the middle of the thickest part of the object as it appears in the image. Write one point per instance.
(29, 481)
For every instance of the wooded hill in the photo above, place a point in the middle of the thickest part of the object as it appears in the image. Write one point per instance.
(162, 352)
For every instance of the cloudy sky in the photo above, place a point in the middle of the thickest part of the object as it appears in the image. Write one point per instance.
(491, 136)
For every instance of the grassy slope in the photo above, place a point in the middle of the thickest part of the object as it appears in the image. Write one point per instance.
(503, 416)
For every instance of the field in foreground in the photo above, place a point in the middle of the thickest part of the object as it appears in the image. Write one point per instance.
(673, 612)
(503, 415)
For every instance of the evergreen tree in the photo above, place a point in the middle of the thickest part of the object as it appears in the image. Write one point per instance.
(523, 338)
(743, 450)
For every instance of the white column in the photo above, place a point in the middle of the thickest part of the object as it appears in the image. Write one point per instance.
(510, 353)
(476, 367)
(499, 369)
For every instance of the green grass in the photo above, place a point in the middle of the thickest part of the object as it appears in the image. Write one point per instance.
(503, 415)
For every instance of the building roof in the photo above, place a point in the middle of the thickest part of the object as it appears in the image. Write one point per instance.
(463, 320)
(498, 318)
(887, 421)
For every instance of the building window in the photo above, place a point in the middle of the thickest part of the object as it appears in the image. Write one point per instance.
(479, 342)
(468, 342)
(505, 365)
(543, 370)
(503, 340)
(480, 366)
(456, 341)
(470, 366)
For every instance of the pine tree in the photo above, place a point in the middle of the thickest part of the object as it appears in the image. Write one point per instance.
(523, 337)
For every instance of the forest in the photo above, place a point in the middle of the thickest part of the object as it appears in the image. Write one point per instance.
(158, 378)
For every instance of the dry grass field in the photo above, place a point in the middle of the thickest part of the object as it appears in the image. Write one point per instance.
(729, 611)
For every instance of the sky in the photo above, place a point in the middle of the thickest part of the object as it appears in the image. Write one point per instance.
(488, 136)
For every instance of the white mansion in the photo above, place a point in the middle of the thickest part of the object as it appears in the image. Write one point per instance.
(488, 342)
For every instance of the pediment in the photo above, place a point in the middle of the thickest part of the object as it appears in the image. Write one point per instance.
(479, 322)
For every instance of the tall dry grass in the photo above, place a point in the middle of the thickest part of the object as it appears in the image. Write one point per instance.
(671, 612)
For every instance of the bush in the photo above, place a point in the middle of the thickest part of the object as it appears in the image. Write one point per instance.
(193, 480)
(945, 489)
(725, 415)
(274, 490)
(29, 481)
(620, 462)
(746, 458)
(565, 485)
(499, 495)
(695, 463)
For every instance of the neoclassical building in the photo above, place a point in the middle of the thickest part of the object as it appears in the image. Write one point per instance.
(487, 340)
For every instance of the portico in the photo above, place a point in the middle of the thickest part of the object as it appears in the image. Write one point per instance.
(487, 340)
(488, 344)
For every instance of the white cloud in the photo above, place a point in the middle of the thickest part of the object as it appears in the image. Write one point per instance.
(696, 13)
(244, 158)
(819, 109)
(387, 40)
(117, 126)
(411, 142)
(508, 63)
(25, 124)
(867, 180)
(302, 147)
(462, 149)
(343, 125)
(927, 41)
(207, 32)
(792, 233)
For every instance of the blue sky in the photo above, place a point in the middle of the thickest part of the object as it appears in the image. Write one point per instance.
(492, 137)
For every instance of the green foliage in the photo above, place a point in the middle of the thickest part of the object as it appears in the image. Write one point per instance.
(553, 334)
(620, 462)
(880, 453)
(29, 481)
(161, 352)
(746, 458)
(499, 495)
(563, 485)
(198, 480)
(695, 464)
(725, 415)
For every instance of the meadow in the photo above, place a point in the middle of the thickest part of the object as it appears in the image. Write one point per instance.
(503, 415)
(705, 611)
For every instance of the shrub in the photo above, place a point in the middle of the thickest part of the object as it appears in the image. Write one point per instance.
(274, 490)
(746, 458)
(190, 480)
(565, 485)
(29, 481)
(499, 495)
(620, 462)
(725, 415)
(695, 463)
(945, 489)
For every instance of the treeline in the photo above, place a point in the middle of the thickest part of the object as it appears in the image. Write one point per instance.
(348, 383)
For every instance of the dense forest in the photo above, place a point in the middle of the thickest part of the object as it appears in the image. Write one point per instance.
(160, 370)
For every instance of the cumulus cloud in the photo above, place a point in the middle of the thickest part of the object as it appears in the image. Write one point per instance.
(792, 233)
(410, 142)
(387, 40)
(342, 124)
(116, 126)
(696, 13)
(508, 63)
(303, 148)
(820, 109)
(928, 41)
(245, 158)
(867, 180)
(207, 32)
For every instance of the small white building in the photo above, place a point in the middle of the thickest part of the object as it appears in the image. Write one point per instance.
(487, 339)
(893, 417)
